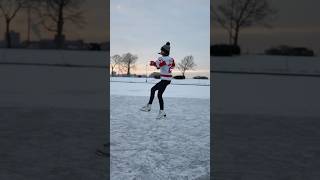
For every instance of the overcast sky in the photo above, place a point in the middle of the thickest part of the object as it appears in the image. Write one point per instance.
(297, 24)
(143, 26)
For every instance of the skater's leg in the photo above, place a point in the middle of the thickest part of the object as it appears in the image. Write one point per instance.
(161, 90)
(160, 99)
(152, 92)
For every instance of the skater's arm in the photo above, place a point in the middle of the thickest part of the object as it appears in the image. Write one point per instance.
(160, 62)
(153, 63)
(173, 64)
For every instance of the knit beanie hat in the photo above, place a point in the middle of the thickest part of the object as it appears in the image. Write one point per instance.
(166, 48)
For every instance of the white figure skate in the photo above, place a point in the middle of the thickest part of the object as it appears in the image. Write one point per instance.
(161, 115)
(146, 108)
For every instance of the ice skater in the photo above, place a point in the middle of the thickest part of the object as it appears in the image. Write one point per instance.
(165, 63)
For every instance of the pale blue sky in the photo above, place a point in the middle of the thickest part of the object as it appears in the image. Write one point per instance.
(143, 26)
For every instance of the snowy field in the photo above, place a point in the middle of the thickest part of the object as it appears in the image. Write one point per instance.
(294, 95)
(144, 148)
(266, 126)
(52, 118)
(188, 88)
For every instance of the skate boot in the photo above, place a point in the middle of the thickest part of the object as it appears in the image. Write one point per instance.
(146, 108)
(161, 115)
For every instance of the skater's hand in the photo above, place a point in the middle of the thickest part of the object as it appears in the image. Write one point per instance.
(173, 64)
(152, 63)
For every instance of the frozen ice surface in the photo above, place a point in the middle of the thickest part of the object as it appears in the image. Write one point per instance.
(145, 148)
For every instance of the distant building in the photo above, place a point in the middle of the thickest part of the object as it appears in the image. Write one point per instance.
(31, 44)
(105, 46)
(47, 44)
(2, 44)
(15, 39)
(60, 40)
(94, 46)
(75, 45)
(52, 44)
(289, 51)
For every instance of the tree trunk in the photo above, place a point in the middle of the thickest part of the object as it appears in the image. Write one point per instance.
(8, 37)
(60, 23)
(29, 25)
(112, 70)
(128, 72)
(230, 37)
(236, 36)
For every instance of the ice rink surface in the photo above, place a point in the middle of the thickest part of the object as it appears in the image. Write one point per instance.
(145, 148)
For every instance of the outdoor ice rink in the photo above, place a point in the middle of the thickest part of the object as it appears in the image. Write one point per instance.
(145, 148)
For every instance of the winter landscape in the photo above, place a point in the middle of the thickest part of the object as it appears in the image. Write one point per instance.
(266, 117)
(33, 100)
(142, 147)
(174, 148)
(52, 117)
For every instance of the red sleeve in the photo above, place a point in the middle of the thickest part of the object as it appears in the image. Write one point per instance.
(162, 63)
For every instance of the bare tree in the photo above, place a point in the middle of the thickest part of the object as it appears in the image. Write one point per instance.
(235, 15)
(30, 7)
(9, 10)
(128, 61)
(186, 63)
(115, 61)
(57, 12)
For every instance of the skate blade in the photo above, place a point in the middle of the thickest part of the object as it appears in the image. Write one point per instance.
(163, 117)
(145, 110)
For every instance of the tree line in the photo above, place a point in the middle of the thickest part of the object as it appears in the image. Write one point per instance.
(125, 63)
(235, 15)
(51, 15)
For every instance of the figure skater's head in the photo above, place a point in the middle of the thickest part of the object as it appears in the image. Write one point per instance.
(165, 49)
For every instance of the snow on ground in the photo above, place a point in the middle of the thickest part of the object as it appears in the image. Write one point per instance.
(266, 147)
(266, 95)
(266, 126)
(188, 88)
(145, 148)
(52, 118)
